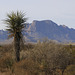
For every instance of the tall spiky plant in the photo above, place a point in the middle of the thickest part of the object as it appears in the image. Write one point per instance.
(16, 22)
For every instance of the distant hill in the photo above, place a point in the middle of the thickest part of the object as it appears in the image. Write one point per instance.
(38, 30)
(3, 35)
(49, 29)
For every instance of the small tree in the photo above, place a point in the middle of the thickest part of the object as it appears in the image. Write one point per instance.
(16, 22)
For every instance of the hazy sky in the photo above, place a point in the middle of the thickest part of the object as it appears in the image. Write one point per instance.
(59, 11)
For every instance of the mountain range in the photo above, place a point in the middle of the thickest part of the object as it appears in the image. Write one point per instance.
(38, 30)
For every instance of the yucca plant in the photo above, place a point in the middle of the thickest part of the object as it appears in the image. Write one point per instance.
(16, 22)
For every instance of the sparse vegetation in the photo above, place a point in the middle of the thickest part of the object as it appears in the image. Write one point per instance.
(43, 58)
(46, 58)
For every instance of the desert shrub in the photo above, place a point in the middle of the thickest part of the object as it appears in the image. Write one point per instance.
(70, 70)
(50, 56)
(71, 48)
(25, 67)
(0, 46)
(29, 46)
(73, 56)
(43, 58)
(6, 48)
(6, 62)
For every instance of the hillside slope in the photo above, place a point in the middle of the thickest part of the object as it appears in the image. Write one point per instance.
(38, 30)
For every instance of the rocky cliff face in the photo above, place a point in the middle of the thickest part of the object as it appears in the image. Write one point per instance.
(49, 29)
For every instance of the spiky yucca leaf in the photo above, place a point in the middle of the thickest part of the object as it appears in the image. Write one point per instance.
(16, 22)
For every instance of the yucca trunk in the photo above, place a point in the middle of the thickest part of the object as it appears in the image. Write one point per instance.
(17, 46)
(62, 72)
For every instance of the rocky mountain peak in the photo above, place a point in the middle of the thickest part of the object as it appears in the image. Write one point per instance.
(38, 30)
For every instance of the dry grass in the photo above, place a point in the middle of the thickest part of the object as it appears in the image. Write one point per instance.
(38, 59)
